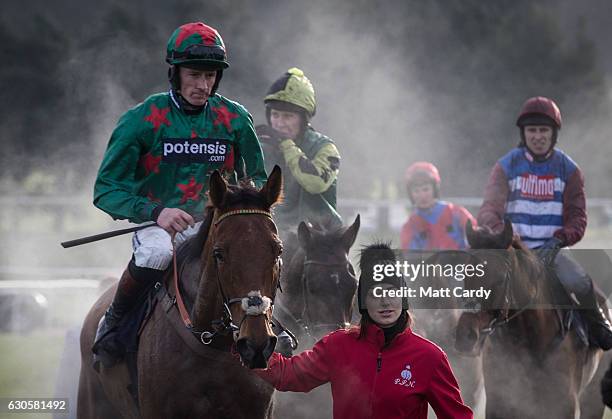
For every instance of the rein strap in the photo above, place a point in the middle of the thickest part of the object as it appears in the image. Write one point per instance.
(253, 304)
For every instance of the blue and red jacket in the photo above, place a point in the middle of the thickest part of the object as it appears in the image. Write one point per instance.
(543, 199)
(439, 227)
(372, 381)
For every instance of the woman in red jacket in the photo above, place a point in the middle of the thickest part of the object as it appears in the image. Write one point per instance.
(379, 369)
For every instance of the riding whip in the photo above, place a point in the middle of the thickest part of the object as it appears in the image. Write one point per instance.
(114, 233)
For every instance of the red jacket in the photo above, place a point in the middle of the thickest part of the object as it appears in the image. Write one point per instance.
(369, 380)
(439, 227)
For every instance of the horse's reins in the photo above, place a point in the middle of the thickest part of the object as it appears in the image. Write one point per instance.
(253, 305)
(304, 321)
(306, 292)
(496, 321)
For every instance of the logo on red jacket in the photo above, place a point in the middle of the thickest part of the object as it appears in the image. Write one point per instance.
(405, 379)
(536, 187)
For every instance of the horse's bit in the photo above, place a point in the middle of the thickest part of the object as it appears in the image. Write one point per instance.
(304, 321)
(474, 307)
(254, 304)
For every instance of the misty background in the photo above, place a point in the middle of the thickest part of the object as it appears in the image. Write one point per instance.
(396, 81)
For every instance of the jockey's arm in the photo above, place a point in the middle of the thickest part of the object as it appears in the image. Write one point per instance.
(574, 210)
(465, 216)
(316, 175)
(114, 186)
(493, 207)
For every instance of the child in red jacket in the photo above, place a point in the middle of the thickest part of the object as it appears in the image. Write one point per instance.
(379, 369)
(433, 223)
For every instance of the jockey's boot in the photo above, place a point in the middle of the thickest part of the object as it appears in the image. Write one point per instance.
(600, 329)
(128, 292)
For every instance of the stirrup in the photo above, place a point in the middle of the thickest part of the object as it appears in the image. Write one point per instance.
(108, 322)
(601, 332)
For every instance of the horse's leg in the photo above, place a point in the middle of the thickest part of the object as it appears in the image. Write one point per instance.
(591, 404)
(525, 389)
(92, 401)
(468, 371)
(101, 394)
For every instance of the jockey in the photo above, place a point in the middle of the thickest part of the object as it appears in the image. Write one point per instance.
(541, 190)
(433, 224)
(159, 159)
(309, 159)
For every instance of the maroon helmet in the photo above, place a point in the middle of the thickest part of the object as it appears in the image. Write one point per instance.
(539, 110)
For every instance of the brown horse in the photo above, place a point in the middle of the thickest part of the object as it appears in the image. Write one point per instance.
(318, 288)
(227, 288)
(531, 368)
(318, 291)
(437, 320)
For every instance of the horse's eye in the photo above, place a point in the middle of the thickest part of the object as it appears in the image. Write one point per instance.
(218, 254)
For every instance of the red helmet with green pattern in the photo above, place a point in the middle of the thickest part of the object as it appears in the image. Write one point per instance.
(196, 44)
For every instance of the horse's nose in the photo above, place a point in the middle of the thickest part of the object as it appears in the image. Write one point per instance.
(255, 356)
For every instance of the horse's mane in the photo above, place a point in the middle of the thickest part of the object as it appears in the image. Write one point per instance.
(518, 244)
(242, 195)
(526, 260)
(484, 237)
(325, 234)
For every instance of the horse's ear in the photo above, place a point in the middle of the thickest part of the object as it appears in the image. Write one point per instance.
(273, 187)
(217, 190)
(304, 235)
(470, 233)
(508, 234)
(350, 235)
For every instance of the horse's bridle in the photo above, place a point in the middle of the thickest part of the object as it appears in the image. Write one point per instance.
(253, 304)
(473, 306)
(304, 321)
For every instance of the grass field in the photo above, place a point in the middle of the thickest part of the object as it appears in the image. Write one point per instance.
(29, 367)
(29, 363)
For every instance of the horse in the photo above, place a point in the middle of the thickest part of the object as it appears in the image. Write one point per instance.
(437, 319)
(531, 368)
(317, 297)
(318, 288)
(195, 371)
